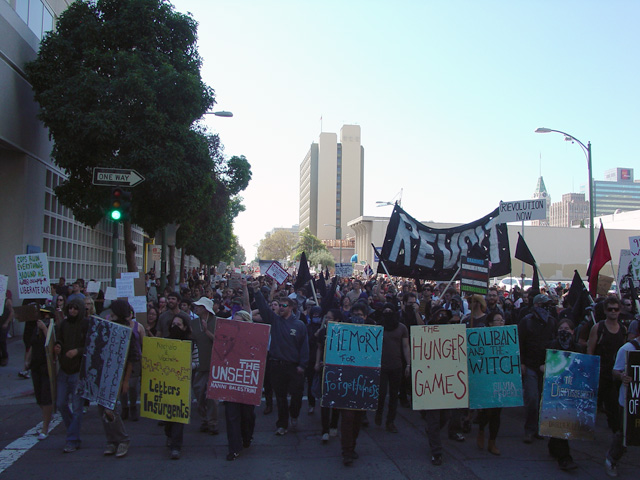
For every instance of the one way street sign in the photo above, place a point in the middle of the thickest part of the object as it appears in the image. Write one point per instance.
(116, 177)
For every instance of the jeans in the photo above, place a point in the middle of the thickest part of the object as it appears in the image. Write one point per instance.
(66, 386)
(207, 407)
(389, 379)
(114, 429)
(532, 390)
(241, 421)
(617, 448)
(175, 434)
(286, 379)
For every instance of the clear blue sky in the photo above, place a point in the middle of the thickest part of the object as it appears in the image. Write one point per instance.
(447, 93)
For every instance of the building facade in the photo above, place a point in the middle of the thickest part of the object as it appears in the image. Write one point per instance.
(618, 192)
(332, 170)
(570, 211)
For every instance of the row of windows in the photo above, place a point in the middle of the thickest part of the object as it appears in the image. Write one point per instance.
(36, 15)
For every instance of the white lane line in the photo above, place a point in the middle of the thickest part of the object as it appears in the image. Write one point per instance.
(12, 452)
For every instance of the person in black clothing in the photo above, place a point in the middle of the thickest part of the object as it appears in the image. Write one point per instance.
(314, 324)
(37, 360)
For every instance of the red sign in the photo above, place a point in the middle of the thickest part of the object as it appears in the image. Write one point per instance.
(625, 174)
(238, 361)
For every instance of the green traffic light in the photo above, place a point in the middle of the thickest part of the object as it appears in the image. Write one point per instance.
(116, 214)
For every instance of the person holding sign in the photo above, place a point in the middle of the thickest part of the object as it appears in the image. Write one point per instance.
(5, 322)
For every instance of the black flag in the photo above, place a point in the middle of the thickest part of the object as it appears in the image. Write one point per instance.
(523, 253)
(578, 298)
(303, 272)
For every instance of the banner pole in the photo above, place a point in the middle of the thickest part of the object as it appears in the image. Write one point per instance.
(452, 279)
(380, 260)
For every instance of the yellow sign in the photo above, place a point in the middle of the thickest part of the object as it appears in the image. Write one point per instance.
(166, 379)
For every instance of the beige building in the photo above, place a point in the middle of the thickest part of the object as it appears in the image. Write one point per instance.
(570, 211)
(331, 183)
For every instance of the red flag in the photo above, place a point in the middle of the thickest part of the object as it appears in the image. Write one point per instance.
(600, 256)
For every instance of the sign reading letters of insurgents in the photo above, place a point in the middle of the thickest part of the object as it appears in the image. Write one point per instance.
(238, 360)
(632, 401)
(352, 359)
(166, 379)
(439, 367)
(569, 395)
(105, 356)
(413, 250)
(494, 367)
(33, 275)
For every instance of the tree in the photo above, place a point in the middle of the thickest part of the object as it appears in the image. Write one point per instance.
(240, 256)
(322, 258)
(277, 246)
(309, 243)
(118, 83)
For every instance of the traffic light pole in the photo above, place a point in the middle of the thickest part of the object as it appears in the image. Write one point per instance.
(114, 252)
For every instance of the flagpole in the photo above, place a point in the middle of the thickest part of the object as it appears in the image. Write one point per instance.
(380, 260)
(313, 289)
(452, 279)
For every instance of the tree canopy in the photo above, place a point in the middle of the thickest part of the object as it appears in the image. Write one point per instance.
(277, 246)
(309, 243)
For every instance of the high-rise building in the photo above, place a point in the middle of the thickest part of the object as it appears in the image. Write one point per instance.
(617, 192)
(540, 193)
(570, 211)
(332, 183)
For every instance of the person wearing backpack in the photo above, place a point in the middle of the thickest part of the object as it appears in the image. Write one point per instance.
(605, 339)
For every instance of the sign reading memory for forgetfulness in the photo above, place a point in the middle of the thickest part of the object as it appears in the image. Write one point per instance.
(116, 177)
(523, 210)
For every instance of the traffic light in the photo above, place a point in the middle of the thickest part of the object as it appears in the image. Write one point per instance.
(120, 206)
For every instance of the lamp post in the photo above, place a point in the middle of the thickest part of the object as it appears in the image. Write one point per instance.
(392, 202)
(587, 151)
(336, 227)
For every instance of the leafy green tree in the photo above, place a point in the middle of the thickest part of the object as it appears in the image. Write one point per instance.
(118, 83)
(241, 255)
(309, 243)
(322, 258)
(277, 246)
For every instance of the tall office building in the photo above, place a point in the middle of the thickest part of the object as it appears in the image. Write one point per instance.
(617, 192)
(332, 183)
(570, 211)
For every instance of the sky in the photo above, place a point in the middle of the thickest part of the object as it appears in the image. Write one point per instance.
(447, 94)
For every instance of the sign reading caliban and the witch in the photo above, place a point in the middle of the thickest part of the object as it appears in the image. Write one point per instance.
(413, 250)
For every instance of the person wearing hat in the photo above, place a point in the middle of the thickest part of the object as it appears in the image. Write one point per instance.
(203, 328)
(536, 331)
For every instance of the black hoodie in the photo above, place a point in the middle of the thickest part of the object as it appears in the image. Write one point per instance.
(71, 334)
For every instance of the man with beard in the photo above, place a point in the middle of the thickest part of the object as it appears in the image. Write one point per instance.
(535, 331)
(69, 349)
(173, 307)
(395, 348)
(492, 301)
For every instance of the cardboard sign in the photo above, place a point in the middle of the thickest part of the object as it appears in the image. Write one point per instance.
(93, 287)
(344, 270)
(4, 280)
(632, 401)
(474, 276)
(103, 363)
(604, 285)
(494, 367)
(278, 273)
(33, 276)
(351, 377)
(52, 367)
(234, 280)
(634, 246)
(238, 361)
(166, 379)
(569, 395)
(439, 367)
(124, 287)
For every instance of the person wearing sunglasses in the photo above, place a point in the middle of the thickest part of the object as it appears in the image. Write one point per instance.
(605, 339)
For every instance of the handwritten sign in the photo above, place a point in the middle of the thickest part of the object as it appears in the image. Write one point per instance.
(124, 287)
(634, 246)
(632, 401)
(93, 287)
(102, 368)
(439, 367)
(33, 275)
(234, 280)
(627, 275)
(166, 379)
(4, 280)
(494, 367)
(238, 361)
(278, 273)
(569, 395)
(344, 270)
(351, 377)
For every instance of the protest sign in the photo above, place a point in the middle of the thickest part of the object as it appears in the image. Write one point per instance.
(124, 287)
(439, 367)
(494, 367)
(634, 246)
(234, 280)
(632, 401)
(238, 361)
(27, 313)
(523, 210)
(105, 356)
(111, 293)
(33, 275)
(413, 250)
(93, 287)
(626, 274)
(166, 379)
(52, 369)
(604, 284)
(278, 273)
(344, 270)
(569, 395)
(351, 377)
(4, 280)
(474, 275)
(263, 266)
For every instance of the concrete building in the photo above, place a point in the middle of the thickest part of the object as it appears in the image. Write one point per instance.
(332, 170)
(617, 192)
(570, 211)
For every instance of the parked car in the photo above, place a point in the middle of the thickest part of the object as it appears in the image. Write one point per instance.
(508, 283)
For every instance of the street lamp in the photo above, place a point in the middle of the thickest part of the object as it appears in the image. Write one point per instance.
(340, 239)
(392, 202)
(221, 113)
(587, 151)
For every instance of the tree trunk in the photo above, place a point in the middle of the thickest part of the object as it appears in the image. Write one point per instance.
(172, 267)
(182, 275)
(129, 248)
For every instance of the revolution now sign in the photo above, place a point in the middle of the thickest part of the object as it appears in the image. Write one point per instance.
(523, 210)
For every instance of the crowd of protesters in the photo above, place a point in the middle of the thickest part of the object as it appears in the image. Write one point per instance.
(298, 318)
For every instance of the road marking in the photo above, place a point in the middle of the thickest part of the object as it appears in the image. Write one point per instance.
(12, 452)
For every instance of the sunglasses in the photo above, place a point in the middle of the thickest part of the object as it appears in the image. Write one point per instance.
(284, 305)
(613, 309)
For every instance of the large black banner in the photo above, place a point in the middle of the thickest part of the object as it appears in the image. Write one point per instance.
(413, 250)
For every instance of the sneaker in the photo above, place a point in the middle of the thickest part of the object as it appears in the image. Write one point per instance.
(567, 465)
(175, 454)
(24, 374)
(232, 456)
(280, 431)
(123, 448)
(611, 468)
(325, 437)
(392, 428)
(70, 447)
(436, 460)
(311, 410)
(294, 422)
(457, 437)
(42, 436)
(110, 449)
(333, 432)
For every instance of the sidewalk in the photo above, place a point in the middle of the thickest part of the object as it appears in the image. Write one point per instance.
(15, 390)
